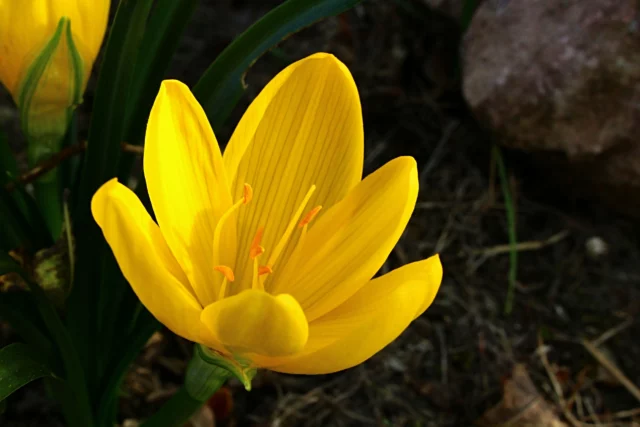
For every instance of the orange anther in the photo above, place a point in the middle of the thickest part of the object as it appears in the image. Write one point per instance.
(256, 250)
(264, 269)
(309, 216)
(247, 193)
(227, 271)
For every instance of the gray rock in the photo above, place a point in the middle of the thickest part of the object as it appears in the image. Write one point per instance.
(560, 76)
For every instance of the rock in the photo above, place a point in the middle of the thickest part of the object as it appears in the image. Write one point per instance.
(561, 78)
(455, 9)
(451, 8)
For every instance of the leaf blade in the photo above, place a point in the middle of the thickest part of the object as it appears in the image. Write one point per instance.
(221, 86)
(20, 364)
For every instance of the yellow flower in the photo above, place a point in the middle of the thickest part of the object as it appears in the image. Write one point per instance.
(267, 253)
(47, 49)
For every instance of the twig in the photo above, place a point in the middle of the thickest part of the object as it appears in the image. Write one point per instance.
(612, 369)
(443, 355)
(612, 332)
(626, 414)
(46, 165)
(53, 161)
(437, 153)
(521, 246)
(592, 413)
(557, 388)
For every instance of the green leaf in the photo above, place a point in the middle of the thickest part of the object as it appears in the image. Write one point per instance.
(15, 228)
(8, 165)
(34, 224)
(132, 339)
(161, 38)
(75, 401)
(19, 365)
(117, 301)
(18, 309)
(222, 84)
(112, 94)
(106, 133)
(79, 410)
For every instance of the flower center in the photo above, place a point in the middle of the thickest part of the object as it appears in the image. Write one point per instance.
(260, 272)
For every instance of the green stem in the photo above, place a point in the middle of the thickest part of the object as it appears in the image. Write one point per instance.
(47, 192)
(206, 373)
(175, 412)
(81, 416)
(511, 224)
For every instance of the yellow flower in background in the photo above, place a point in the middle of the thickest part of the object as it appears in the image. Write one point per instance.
(267, 252)
(47, 50)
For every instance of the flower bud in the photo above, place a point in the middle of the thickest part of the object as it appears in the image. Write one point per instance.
(47, 50)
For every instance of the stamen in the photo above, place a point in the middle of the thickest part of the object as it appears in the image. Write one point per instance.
(309, 216)
(223, 289)
(226, 271)
(255, 282)
(228, 277)
(247, 195)
(277, 251)
(256, 250)
(264, 269)
(303, 234)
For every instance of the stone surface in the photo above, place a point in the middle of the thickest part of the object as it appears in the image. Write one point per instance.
(458, 10)
(451, 8)
(561, 77)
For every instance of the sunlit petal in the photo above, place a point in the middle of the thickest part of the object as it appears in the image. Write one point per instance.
(187, 184)
(349, 244)
(256, 322)
(367, 322)
(146, 261)
(246, 129)
(309, 134)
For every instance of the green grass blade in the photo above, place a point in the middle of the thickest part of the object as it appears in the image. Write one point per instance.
(511, 224)
(16, 232)
(112, 95)
(167, 22)
(34, 224)
(79, 413)
(18, 310)
(222, 84)
(106, 132)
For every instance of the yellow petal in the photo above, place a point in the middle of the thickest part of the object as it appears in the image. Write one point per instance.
(309, 133)
(146, 261)
(367, 322)
(256, 322)
(26, 26)
(187, 184)
(246, 129)
(349, 244)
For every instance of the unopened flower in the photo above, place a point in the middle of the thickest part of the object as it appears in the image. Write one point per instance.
(267, 253)
(47, 50)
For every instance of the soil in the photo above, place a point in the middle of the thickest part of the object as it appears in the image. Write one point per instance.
(578, 265)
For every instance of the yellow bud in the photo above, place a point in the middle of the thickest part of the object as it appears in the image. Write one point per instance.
(47, 50)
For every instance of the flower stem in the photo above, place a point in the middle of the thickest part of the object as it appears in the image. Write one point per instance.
(175, 412)
(206, 373)
(48, 197)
